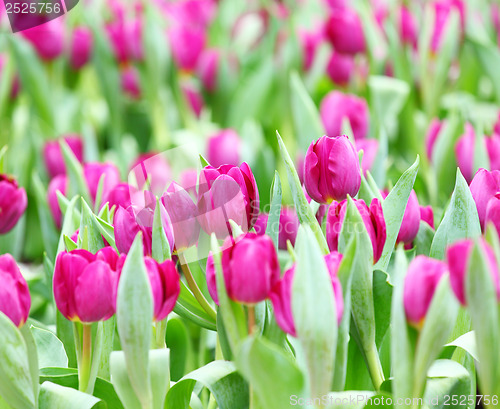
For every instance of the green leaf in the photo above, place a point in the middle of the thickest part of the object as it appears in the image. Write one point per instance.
(76, 180)
(16, 387)
(88, 223)
(188, 307)
(394, 207)
(423, 241)
(32, 353)
(107, 230)
(159, 366)
(121, 381)
(203, 161)
(460, 220)
(273, 221)
(314, 312)
(305, 115)
(50, 349)
(160, 246)
(69, 225)
(273, 375)
(220, 378)
(53, 396)
(178, 341)
(348, 399)
(134, 313)
(304, 212)
(467, 342)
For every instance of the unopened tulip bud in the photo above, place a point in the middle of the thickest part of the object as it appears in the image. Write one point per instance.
(345, 31)
(94, 172)
(15, 299)
(281, 295)
(82, 43)
(443, 9)
(411, 221)
(340, 68)
(153, 169)
(130, 81)
(427, 215)
(432, 136)
(53, 157)
(464, 151)
(47, 39)
(370, 150)
(223, 148)
(186, 44)
(483, 187)
(331, 169)
(208, 68)
(250, 268)
(13, 203)
(421, 282)
(408, 27)
(493, 148)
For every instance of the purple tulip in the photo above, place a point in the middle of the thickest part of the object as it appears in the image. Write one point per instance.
(370, 150)
(458, 256)
(154, 169)
(227, 192)
(183, 215)
(82, 44)
(130, 81)
(13, 203)
(427, 215)
(287, 229)
(411, 221)
(208, 68)
(443, 9)
(194, 98)
(281, 295)
(53, 157)
(224, 148)
(94, 172)
(464, 152)
(408, 27)
(421, 282)
(250, 268)
(336, 106)
(47, 39)
(345, 31)
(58, 183)
(483, 187)
(260, 225)
(165, 286)
(189, 180)
(493, 148)
(373, 219)
(15, 299)
(331, 169)
(85, 284)
(186, 44)
(310, 41)
(340, 68)
(432, 135)
(493, 212)
(125, 38)
(121, 195)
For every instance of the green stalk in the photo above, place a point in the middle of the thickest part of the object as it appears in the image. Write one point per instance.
(375, 367)
(86, 360)
(161, 331)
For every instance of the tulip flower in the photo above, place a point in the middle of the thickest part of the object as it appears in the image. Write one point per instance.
(189, 180)
(15, 299)
(208, 68)
(483, 187)
(82, 43)
(331, 169)
(287, 229)
(345, 31)
(432, 135)
(281, 294)
(183, 214)
(186, 44)
(421, 282)
(427, 215)
(336, 106)
(227, 192)
(250, 268)
(57, 184)
(121, 196)
(53, 157)
(310, 41)
(370, 150)
(165, 286)
(373, 219)
(442, 10)
(408, 27)
(125, 38)
(47, 39)
(340, 68)
(493, 149)
(85, 284)
(493, 212)
(154, 169)
(260, 225)
(13, 203)
(131, 83)
(193, 97)
(464, 151)
(223, 148)
(458, 256)
(411, 221)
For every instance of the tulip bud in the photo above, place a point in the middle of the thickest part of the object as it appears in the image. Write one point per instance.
(336, 106)
(421, 282)
(58, 183)
(189, 180)
(165, 286)
(15, 299)
(432, 136)
(411, 221)
(47, 39)
(154, 169)
(483, 187)
(408, 27)
(208, 68)
(121, 196)
(131, 83)
(81, 47)
(224, 148)
(310, 41)
(370, 150)
(493, 212)
(227, 192)
(427, 215)
(85, 284)
(373, 219)
(183, 215)
(94, 172)
(345, 31)
(288, 226)
(260, 225)
(186, 44)
(331, 169)
(340, 68)
(53, 157)
(493, 148)
(250, 268)
(13, 203)
(443, 9)
(194, 98)
(458, 257)
(281, 294)
(464, 151)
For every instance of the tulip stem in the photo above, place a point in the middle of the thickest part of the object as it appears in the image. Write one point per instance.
(195, 289)
(251, 319)
(86, 358)
(161, 330)
(374, 367)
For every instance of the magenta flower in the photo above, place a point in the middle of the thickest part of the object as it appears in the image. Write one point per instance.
(13, 203)
(370, 150)
(165, 286)
(130, 81)
(493, 212)
(432, 135)
(340, 68)
(15, 299)
(331, 169)
(281, 295)
(85, 284)
(208, 68)
(408, 27)
(484, 187)
(287, 228)
(57, 184)
(373, 219)
(121, 196)
(47, 39)
(82, 44)
(223, 148)
(421, 281)
(309, 41)
(194, 98)
(186, 44)
(493, 148)
(53, 157)
(464, 151)
(336, 106)
(458, 256)
(94, 172)
(154, 169)
(411, 221)
(227, 192)
(427, 215)
(345, 31)
(250, 268)
(443, 9)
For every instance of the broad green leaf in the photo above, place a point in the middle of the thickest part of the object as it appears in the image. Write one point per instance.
(394, 207)
(88, 223)
(467, 342)
(69, 225)
(31, 348)
(220, 378)
(16, 387)
(273, 221)
(179, 342)
(51, 351)
(159, 366)
(460, 220)
(272, 374)
(382, 299)
(53, 396)
(134, 316)
(424, 238)
(121, 381)
(160, 247)
(314, 312)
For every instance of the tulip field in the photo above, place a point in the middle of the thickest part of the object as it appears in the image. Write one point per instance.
(249, 204)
